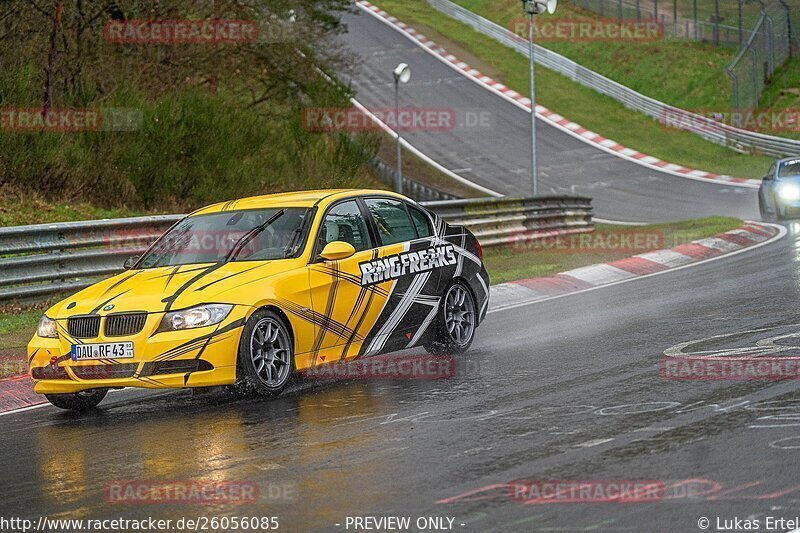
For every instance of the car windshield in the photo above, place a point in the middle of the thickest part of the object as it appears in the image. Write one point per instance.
(246, 235)
(789, 168)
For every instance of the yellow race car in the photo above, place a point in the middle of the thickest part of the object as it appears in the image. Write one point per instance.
(250, 291)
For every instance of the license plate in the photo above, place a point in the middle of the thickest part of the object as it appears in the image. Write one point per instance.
(104, 350)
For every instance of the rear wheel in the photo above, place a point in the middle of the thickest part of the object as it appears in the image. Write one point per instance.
(266, 355)
(78, 401)
(456, 322)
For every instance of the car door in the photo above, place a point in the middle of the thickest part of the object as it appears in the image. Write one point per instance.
(345, 305)
(767, 190)
(408, 257)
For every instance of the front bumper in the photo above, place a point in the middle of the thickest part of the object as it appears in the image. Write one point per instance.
(200, 357)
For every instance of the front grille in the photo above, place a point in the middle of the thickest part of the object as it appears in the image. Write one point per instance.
(123, 370)
(125, 324)
(84, 327)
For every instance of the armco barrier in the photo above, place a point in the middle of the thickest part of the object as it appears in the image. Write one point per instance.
(738, 139)
(45, 259)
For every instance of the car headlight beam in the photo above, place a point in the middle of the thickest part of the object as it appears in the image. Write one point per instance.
(195, 317)
(789, 192)
(47, 328)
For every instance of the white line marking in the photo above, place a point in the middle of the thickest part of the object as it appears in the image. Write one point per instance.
(411, 148)
(591, 443)
(782, 231)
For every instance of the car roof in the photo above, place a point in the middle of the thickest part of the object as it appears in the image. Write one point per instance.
(292, 199)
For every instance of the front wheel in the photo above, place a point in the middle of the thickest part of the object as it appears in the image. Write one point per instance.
(266, 355)
(456, 322)
(77, 401)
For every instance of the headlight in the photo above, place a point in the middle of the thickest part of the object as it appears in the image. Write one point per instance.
(196, 317)
(47, 328)
(789, 192)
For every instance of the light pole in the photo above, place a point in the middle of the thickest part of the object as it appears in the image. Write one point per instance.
(535, 7)
(402, 73)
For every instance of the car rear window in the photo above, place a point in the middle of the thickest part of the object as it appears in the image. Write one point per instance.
(391, 217)
(421, 222)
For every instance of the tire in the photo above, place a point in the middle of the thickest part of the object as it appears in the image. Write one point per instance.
(78, 401)
(266, 355)
(455, 323)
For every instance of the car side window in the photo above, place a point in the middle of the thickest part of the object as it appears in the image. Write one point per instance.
(771, 174)
(421, 222)
(344, 223)
(392, 220)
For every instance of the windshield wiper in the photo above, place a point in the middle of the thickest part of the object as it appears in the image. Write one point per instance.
(247, 237)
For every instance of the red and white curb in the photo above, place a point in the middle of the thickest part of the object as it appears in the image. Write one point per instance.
(554, 119)
(527, 291)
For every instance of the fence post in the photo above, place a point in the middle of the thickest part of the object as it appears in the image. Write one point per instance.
(694, 15)
(639, 10)
(740, 22)
(674, 18)
(716, 22)
(788, 26)
(619, 9)
(756, 91)
(735, 92)
(655, 15)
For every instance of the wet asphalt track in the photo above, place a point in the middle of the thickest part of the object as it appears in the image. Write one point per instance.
(565, 389)
(495, 150)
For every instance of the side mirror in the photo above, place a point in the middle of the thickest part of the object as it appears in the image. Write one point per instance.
(337, 250)
(130, 261)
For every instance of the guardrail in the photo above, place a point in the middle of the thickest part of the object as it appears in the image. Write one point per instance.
(717, 132)
(41, 260)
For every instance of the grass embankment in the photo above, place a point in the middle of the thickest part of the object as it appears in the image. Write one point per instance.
(687, 74)
(522, 260)
(580, 104)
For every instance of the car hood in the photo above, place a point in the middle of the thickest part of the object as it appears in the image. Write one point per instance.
(162, 289)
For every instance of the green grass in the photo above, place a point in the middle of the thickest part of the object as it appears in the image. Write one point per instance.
(682, 73)
(509, 263)
(580, 104)
(194, 147)
(687, 74)
(16, 329)
(20, 209)
(10, 324)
